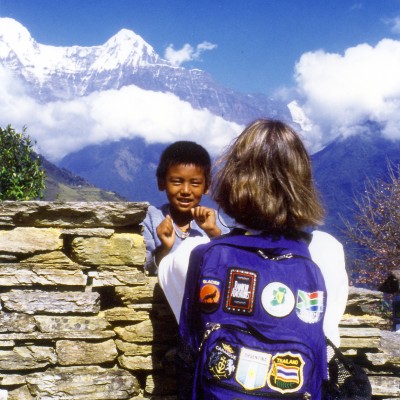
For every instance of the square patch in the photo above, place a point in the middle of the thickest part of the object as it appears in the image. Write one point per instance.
(241, 289)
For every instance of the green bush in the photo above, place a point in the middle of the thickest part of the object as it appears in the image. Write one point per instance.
(21, 175)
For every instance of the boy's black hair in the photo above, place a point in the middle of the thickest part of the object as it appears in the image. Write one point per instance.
(187, 153)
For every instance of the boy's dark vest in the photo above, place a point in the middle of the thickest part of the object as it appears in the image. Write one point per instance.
(257, 315)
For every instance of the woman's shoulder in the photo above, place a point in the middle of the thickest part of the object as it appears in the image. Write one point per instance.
(321, 238)
(325, 248)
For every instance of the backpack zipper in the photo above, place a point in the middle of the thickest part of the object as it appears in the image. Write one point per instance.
(212, 327)
(274, 258)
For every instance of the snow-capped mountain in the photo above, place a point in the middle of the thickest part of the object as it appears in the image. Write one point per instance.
(126, 162)
(62, 73)
(76, 67)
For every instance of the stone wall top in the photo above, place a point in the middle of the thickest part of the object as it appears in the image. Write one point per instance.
(71, 214)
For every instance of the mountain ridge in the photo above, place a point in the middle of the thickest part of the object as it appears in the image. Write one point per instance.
(85, 73)
(127, 166)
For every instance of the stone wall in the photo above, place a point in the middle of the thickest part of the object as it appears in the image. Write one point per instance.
(366, 338)
(80, 320)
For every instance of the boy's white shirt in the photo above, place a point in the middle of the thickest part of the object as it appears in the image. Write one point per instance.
(325, 251)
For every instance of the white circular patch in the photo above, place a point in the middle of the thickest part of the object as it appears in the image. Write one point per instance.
(277, 299)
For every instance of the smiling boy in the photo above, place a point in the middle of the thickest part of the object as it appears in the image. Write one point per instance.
(184, 173)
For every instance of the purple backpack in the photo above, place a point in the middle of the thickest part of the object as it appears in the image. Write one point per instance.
(252, 319)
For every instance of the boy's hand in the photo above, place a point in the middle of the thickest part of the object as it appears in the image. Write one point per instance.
(206, 219)
(166, 233)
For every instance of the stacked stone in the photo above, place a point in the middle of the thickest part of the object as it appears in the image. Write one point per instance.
(79, 318)
(366, 338)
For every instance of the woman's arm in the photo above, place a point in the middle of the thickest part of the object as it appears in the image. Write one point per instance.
(328, 254)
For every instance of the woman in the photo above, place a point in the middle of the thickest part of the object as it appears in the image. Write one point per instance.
(265, 184)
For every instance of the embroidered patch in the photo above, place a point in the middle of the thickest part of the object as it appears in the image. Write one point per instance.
(240, 291)
(222, 360)
(277, 299)
(310, 306)
(286, 373)
(252, 368)
(210, 294)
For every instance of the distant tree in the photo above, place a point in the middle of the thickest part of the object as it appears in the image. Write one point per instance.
(377, 229)
(21, 175)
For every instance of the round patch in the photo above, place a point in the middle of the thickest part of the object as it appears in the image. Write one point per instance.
(277, 299)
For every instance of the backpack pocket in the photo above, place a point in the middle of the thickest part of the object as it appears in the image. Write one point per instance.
(247, 362)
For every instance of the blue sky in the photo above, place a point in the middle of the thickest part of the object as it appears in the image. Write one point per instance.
(335, 63)
(256, 43)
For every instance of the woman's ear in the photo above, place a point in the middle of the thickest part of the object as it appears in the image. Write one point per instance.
(161, 184)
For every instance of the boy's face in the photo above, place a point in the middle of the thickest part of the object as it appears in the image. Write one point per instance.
(184, 186)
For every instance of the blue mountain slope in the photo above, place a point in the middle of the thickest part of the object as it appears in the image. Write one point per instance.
(341, 171)
(343, 168)
(127, 166)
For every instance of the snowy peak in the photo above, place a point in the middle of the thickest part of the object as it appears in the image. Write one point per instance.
(16, 42)
(18, 51)
(13, 33)
(126, 36)
(125, 48)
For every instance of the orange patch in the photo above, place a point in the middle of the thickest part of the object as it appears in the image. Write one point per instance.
(209, 294)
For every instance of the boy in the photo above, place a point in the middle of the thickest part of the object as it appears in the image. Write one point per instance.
(184, 172)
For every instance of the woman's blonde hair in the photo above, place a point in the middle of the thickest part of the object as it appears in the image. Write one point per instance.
(265, 180)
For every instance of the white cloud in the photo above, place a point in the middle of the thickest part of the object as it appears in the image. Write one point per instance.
(394, 24)
(64, 126)
(340, 92)
(187, 53)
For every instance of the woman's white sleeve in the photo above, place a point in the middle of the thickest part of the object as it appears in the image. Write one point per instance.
(328, 254)
(172, 272)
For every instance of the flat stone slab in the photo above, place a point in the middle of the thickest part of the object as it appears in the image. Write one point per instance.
(15, 322)
(33, 336)
(24, 274)
(158, 331)
(75, 352)
(360, 296)
(125, 314)
(120, 249)
(27, 358)
(385, 386)
(83, 383)
(30, 240)
(72, 214)
(117, 275)
(150, 292)
(54, 324)
(36, 301)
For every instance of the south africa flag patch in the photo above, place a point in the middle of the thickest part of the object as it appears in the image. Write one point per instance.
(309, 306)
